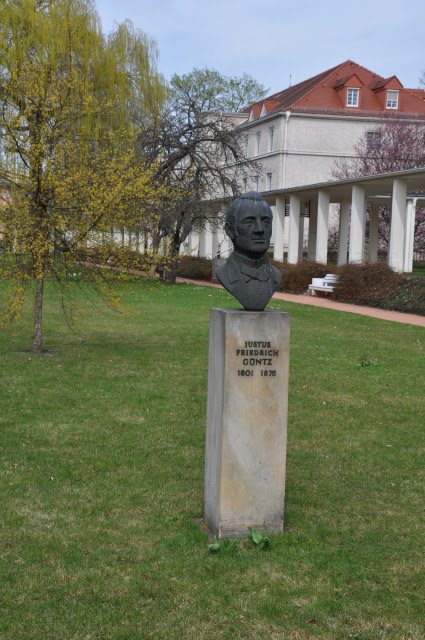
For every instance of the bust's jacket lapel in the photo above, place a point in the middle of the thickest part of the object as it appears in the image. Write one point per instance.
(233, 272)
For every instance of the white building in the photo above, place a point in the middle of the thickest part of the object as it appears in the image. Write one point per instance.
(298, 134)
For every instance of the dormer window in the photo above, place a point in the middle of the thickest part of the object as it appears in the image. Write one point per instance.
(392, 99)
(352, 97)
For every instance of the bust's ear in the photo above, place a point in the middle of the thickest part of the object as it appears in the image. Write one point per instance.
(229, 231)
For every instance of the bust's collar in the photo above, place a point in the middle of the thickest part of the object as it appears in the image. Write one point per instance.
(255, 264)
(234, 262)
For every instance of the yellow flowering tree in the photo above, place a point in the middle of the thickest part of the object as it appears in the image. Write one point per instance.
(69, 160)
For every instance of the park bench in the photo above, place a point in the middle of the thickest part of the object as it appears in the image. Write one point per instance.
(323, 285)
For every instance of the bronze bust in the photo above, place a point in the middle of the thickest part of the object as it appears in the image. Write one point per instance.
(247, 274)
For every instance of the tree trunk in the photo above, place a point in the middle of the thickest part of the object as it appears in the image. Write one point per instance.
(37, 344)
(170, 272)
(154, 250)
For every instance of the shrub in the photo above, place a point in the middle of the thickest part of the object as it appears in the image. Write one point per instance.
(297, 277)
(368, 284)
(410, 297)
(195, 268)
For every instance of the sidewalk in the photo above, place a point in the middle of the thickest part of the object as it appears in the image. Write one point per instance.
(372, 312)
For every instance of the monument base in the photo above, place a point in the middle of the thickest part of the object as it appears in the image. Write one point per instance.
(246, 421)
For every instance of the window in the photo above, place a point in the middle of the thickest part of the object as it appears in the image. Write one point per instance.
(246, 145)
(245, 182)
(392, 99)
(258, 142)
(257, 182)
(271, 138)
(269, 181)
(352, 97)
(373, 139)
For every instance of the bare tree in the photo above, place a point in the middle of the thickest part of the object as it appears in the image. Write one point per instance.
(196, 145)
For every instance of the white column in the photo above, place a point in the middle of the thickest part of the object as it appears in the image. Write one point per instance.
(195, 243)
(301, 238)
(398, 225)
(203, 243)
(323, 202)
(312, 230)
(357, 224)
(373, 232)
(410, 235)
(344, 225)
(214, 242)
(279, 227)
(226, 247)
(294, 228)
(189, 242)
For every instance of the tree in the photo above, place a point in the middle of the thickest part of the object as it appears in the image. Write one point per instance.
(68, 153)
(196, 144)
(208, 90)
(394, 145)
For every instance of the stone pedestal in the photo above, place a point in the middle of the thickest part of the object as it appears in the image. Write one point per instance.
(246, 421)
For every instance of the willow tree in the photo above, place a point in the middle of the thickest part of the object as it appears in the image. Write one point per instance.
(68, 158)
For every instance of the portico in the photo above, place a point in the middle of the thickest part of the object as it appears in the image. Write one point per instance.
(402, 191)
(296, 207)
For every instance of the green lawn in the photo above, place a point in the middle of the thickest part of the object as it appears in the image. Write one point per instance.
(418, 269)
(102, 477)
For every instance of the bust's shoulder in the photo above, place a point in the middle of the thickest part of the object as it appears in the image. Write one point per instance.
(222, 275)
(230, 271)
(276, 275)
(221, 271)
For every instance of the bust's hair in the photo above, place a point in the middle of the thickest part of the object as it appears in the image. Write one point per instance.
(251, 200)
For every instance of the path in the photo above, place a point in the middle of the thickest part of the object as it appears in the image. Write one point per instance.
(372, 312)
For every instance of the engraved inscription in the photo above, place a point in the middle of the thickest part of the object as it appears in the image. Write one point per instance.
(257, 357)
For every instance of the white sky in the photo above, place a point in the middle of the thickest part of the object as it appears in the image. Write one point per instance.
(273, 39)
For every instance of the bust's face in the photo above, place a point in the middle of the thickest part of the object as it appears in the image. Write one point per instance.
(254, 229)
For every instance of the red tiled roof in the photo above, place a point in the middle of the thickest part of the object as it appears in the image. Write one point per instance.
(342, 81)
(418, 93)
(379, 84)
(269, 105)
(285, 98)
(324, 93)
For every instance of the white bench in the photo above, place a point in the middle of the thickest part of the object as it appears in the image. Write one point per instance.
(324, 285)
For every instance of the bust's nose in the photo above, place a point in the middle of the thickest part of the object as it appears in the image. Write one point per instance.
(258, 227)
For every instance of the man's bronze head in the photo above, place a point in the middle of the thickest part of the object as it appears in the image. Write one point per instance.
(249, 225)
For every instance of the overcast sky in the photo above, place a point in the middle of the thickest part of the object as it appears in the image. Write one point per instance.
(275, 39)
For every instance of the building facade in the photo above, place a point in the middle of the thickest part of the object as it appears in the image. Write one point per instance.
(299, 134)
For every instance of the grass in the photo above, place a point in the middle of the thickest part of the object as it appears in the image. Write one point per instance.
(102, 478)
(418, 269)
